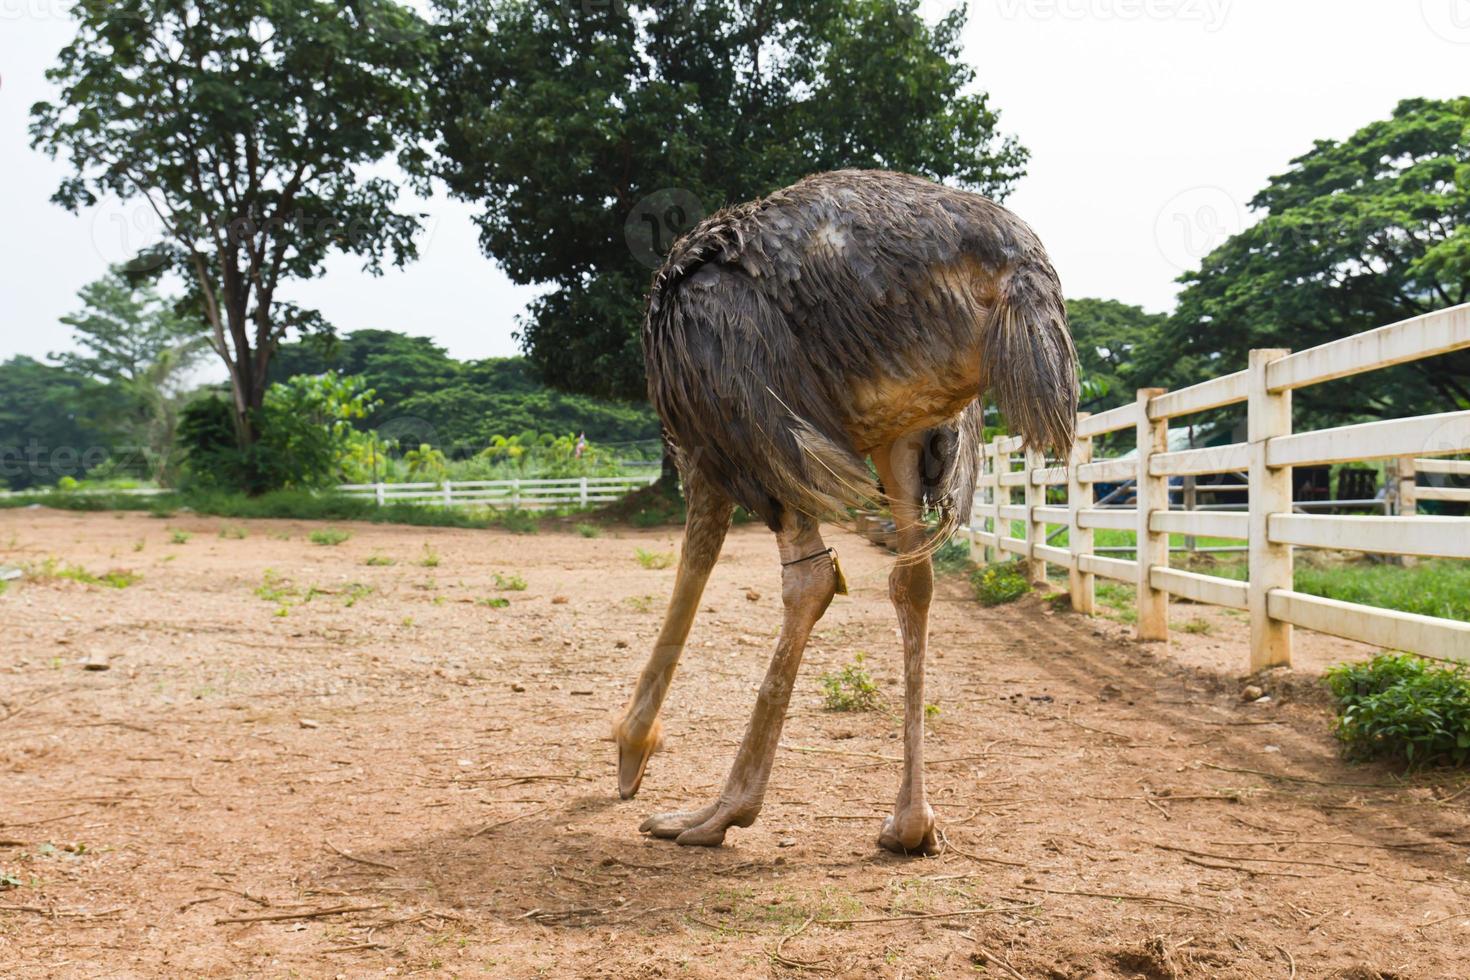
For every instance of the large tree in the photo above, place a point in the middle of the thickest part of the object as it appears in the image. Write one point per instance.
(1358, 233)
(135, 342)
(1112, 338)
(593, 133)
(246, 126)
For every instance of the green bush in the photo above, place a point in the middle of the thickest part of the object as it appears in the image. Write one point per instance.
(1401, 706)
(998, 584)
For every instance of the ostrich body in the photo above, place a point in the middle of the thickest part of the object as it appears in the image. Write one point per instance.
(854, 314)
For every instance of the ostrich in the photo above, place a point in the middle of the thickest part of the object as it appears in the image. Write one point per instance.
(853, 314)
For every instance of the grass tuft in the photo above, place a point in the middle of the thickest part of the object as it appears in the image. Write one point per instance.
(655, 559)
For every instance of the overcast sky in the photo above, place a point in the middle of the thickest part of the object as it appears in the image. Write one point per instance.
(1150, 124)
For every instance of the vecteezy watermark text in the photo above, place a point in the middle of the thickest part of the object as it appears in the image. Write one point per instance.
(1210, 13)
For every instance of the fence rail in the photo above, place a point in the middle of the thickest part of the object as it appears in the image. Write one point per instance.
(526, 494)
(1271, 524)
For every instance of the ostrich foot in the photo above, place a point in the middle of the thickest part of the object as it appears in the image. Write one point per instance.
(633, 756)
(910, 831)
(699, 828)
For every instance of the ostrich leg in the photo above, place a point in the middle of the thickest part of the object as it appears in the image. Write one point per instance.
(637, 733)
(806, 589)
(910, 829)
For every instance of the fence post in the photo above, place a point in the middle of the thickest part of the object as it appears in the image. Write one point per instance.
(999, 463)
(1079, 539)
(1035, 528)
(1151, 548)
(582, 493)
(1190, 501)
(1269, 416)
(448, 494)
(381, 493)
(1407, 476)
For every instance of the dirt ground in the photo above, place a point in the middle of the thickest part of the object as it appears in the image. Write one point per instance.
(298, 763)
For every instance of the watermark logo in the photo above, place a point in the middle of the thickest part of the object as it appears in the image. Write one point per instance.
(129, 233)
(1448, 19)
(657, 221)
(1194, 223)
(1211, 14)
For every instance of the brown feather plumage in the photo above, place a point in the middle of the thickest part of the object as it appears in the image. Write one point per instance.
(788, 337)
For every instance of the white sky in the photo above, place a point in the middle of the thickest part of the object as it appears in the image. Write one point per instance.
(1150, 122)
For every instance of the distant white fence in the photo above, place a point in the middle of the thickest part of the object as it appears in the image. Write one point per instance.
(1269, 525)
(527, 494)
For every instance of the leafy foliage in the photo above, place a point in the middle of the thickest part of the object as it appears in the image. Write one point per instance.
(851, 689)
(1357, 234)
(307, 437)
(53, 423)
(609, 103)
(246, 128)
(458, 407)
(995, 585)
(1404, 707)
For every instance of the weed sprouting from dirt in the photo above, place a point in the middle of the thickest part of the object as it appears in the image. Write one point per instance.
(53, 570)
(179, 537)
(995, 585)
(1196, 626)
(655, 559)
(589, 530)
(1402, 706)
(356, 592)
(431, 557)
(329, 536)
(233, 532)
(509, 583)
(640, 603)
(495, 603)
(379, 561)
(850, 689)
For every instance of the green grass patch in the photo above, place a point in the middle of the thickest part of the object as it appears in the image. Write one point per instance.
(510, 583)
(953, 557)
(589, 530)
(995, 585)
(328, 536)
(1405, 708)
(850, 689)
(179, 537)
(496, 603)
(232, 532)
(52, 569)
(379, 561)
(654, 559)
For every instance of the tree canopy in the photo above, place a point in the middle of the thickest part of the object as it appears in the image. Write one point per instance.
(246, 127)
(1356, 235)
(458, 406)
(592, 134)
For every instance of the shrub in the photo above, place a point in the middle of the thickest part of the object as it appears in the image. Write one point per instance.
(850, 689)
(953, 556)
(1401, 706)
(998, 584)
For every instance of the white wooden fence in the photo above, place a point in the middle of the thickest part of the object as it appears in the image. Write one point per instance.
(528, 494)
(1269, 525)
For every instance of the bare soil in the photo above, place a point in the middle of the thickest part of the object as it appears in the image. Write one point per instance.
(390, 777)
